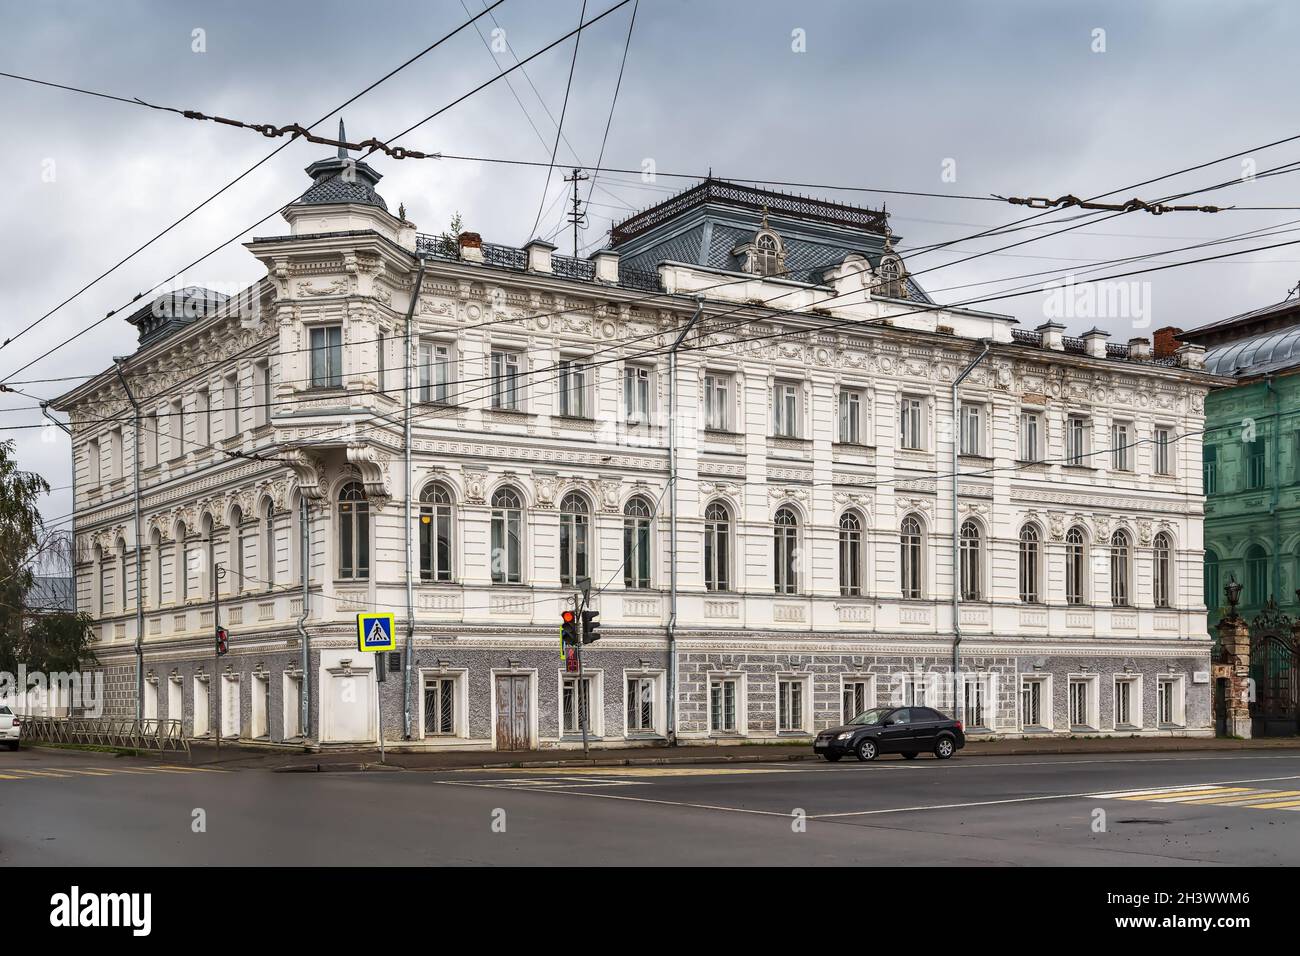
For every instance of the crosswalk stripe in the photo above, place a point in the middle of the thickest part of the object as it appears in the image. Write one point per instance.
(87, 773)
(40, 773)
(1174, 795)
(9, 776)
(1283, 805)
(1247, 798)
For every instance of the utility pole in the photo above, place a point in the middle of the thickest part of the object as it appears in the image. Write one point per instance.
(576, 214)
(217, 574)
(139, 564)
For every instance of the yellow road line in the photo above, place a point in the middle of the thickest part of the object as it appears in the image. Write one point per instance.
(1248, 797)
(88, 773)
(9, 776)
(1284, 805)
(40, 773)
(1175, 794)
(644, 771)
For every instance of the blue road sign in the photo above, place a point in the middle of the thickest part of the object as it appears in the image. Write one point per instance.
(375, 632)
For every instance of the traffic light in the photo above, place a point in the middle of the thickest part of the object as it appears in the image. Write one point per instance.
(568, 628)
(223, 640)
(590, 626)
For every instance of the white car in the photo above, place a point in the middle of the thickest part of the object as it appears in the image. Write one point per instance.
(10, 728)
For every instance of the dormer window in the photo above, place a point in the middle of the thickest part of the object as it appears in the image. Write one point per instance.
(890, 277)
(765, 260)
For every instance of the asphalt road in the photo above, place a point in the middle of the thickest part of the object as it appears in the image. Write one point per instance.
(1226, 808)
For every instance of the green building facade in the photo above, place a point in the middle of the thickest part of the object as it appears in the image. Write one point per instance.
(1251, 451)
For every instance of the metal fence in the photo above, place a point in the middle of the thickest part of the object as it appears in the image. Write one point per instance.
(107, 732)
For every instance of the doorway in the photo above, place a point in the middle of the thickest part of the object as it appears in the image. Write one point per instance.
(513, 723)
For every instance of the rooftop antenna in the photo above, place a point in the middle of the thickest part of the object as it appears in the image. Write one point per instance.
(1294, 290)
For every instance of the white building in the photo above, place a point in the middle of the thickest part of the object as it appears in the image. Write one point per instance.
(813, 542)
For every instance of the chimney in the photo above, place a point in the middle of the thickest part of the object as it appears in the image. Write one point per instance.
(1094, 342)
(471, 246)
(1166, 342)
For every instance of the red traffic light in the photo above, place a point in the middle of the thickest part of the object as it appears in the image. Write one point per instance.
(568, 617)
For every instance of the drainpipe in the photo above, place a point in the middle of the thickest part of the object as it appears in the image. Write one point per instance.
(410, 584)
(956, 529)
(304, 544)
(139, 568)
(672, 520)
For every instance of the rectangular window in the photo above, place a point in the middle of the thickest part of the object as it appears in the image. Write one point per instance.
(971, 430)
(115, 463)
(202, 418)
(636, 394)
(909, 420)
(973, 697)
(850, 418)
(722, 705)
(176, 430)
(94, 463)
(149, 437)
(1125, 703)
(261, 393)
(1031, 442)
(440, 707)
(1076, 441)
(327, 356)
(641, 705)
(573, 388)
(1256, 470)
(506, 383)
(1031, 703)
(1080, 711)
(1163, 465)
(1169, 709)
(435, 372)
(789, 706)
(785, 409)
(577, 705)
(854, 699)
(915, 690)
(230, 406)
(1121, 455)
(716, 417)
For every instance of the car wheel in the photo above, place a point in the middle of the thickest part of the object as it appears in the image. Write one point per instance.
(944, 748)
(12, 745)
(832, 757)
(867, 750)
(909, 754)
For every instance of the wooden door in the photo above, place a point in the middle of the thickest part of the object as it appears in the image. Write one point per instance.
(512, 712)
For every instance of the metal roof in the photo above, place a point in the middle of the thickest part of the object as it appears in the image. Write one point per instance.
(1260, 354)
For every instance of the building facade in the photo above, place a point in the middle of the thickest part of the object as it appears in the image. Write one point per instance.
(735, 427)
(1252, 485)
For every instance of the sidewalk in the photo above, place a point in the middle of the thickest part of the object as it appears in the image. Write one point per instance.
(250, 758)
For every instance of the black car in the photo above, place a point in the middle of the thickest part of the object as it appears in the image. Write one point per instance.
(893, 730)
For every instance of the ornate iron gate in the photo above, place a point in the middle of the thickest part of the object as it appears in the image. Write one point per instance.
(1275, 711)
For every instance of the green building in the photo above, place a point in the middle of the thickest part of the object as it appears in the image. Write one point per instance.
(1252, 489)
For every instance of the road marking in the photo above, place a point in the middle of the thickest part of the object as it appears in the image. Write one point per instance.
(6, 776)
(1170, 796)
(40, 773)
(1284, 805)
(653, 771)
(1245, 800)
(88, 773)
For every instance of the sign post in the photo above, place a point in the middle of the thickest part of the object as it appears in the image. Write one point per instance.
(376, 634)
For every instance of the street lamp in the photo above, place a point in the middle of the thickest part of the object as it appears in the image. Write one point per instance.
(1233, 592)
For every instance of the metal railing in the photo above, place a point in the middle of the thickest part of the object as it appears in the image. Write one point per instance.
(568, 267)
(123, 732)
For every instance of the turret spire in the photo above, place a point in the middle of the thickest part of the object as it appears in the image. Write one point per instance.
(343, 153)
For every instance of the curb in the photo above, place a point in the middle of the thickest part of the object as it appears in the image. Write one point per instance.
(683, 760)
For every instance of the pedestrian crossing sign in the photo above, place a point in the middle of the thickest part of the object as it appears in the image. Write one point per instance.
(375, 632)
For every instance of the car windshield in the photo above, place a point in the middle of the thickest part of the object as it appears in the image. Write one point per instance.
(873, 716)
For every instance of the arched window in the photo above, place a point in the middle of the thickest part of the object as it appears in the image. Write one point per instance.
(268, 541)
(97, 582)
(890, 277)
(910, 542)
(122, 598)
(850, 554)
(208, 575)
(181, 566)
(1161, 556)
(155, 568)
(636, 543)
(1119, 569)
(435, 533)
(717, 547)
(575, 538)
(1076, 567)
(1030, 554)
(507, 536)
(354, 533)
(1211, 594)
(972, 561)
(236, 550)
(1256, 576)
(785, 551)
(767, 254)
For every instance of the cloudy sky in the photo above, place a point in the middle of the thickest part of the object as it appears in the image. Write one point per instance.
(963, 99)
